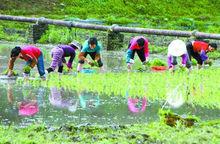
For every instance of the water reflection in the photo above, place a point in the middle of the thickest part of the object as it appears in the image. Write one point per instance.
(61, 98)
(58, 106)
(89, 99)
(175, 97)
(136, 105)
(28, 106)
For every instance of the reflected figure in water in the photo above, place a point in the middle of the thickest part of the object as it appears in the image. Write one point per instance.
(136, 105)
(29, 105)
(175, 97)
(89, 99)
(62, 98)
(28, 108)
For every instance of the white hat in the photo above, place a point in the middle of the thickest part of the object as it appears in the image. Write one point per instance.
(76, 43)
(177, 48)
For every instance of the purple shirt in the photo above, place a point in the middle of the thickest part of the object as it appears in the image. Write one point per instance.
(171, 60)
(68, 51)
(59, 53)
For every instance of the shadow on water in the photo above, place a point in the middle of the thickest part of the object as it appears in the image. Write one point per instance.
(24, 105)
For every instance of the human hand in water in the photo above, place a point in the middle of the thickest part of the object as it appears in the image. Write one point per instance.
(172, 69)
(91, 63)
(182, 67)
(69, 69)
(10, 73)
(96, 63)
(209, 62)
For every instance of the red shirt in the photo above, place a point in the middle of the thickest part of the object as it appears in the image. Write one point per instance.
(30, 52)
(198, 46)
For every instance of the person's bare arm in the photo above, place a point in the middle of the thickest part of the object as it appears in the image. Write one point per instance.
(11, 66)
(97, 57)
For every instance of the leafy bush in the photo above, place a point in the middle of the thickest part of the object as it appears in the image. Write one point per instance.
(57, 35)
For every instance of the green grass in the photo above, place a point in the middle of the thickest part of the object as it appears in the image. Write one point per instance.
(157, 132)
(202, 15)
(186, 15)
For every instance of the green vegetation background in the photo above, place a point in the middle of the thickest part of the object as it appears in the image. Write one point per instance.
(203, 15)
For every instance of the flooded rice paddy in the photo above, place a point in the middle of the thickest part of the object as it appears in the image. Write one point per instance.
(24, 104)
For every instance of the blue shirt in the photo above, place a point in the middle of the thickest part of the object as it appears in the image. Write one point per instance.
(86, 48)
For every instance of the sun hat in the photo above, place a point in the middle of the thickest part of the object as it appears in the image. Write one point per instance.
(177, 48)
(76, 44)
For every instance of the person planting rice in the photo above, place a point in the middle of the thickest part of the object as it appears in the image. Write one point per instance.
(177, 48)
(138, 44)
(60, 52)
(32, 55)
(199, 49)
(93, 48)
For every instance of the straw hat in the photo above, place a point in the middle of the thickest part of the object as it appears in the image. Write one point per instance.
(177, 48)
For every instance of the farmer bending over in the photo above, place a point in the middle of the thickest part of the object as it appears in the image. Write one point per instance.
(58, 56)
(177, 48)
(137, 44)
(93, 48)
(199, 49)
(32, 55)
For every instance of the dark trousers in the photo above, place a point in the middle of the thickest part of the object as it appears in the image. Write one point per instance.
(193, 54)
(140, 54)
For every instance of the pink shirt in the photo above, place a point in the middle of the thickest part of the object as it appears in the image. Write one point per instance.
(134, 45)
